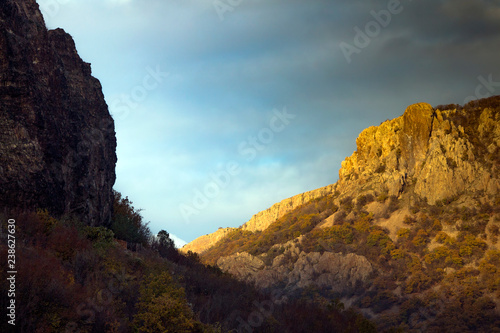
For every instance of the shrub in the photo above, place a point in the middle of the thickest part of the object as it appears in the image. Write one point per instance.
(380, 239)
(65, 241)
(380, 169)
(127, 223)
(346, 204)
(382, 197)
(398, 254)
(364, 200)
(343, 233)
(421, 238)
(471, 246)
(403, 233)
(419, 281)
(494, 230)
(101, 237)
(47, 221)
(438, 255)
(409, 220)
(340, 217)
(443, 238)
(393, 204)
(448, 107)
(363, 224)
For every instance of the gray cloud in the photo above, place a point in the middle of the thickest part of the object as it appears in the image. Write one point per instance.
(226, 77)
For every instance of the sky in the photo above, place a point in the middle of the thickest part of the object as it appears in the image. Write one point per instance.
(224, 107)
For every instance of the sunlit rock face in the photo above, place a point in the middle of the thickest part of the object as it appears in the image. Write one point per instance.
(437, 154)
(57, 138)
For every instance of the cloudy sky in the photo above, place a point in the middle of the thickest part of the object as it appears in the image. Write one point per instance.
(223, 108)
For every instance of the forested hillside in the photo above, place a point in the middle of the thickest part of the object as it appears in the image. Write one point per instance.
(72, 277)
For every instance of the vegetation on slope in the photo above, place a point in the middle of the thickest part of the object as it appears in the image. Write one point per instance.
(298, 222)
(76, 278)
(458, 275)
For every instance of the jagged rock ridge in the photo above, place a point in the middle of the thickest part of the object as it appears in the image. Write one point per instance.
(427, 149)
(259, 221)
(57, 138)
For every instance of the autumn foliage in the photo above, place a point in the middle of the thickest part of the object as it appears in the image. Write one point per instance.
(77, 278)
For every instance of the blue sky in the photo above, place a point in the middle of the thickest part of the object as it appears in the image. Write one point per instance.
(223, 108)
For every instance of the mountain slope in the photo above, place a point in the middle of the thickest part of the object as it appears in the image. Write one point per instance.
(258, 222)
(412, 223)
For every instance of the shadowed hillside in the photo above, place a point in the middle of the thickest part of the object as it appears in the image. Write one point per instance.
(72, 277)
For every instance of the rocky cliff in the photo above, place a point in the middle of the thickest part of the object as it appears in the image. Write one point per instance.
(204, 242)
(434, 154)
(413, 218)
(57, 138)
(440, 153)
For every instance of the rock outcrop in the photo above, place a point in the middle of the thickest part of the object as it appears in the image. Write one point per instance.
(427, 155)
(57, 138)
(428, 150)
(416, 206)
(333, 271)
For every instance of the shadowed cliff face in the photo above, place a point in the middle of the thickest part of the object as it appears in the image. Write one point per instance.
(57, 138)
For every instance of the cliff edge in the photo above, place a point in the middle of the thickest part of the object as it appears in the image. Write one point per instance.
(57, 138)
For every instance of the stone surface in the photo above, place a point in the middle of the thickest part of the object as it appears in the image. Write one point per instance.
(200, 244)
(334, 271)
(415, 134)
(57, 138)
(427, 151)
(425, 154)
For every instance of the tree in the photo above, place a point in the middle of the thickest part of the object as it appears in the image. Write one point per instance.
(163, 307)
(166, 246)
(127, 221)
